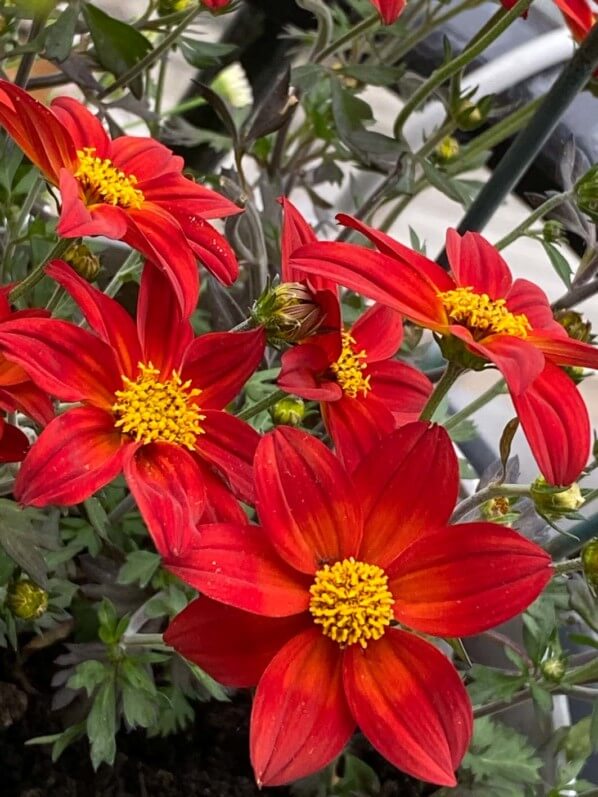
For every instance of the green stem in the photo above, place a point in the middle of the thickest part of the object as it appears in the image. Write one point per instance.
(496, 390)
(501, 21)
(149, 59)
(144, 641)
(21, 221)
(121, 509)
(444, 384)
(539, 212)
(563, 546)
(262, 405)
(38, 272)
(361, 27)
(568, 566)
(487, 494)
(128, 267)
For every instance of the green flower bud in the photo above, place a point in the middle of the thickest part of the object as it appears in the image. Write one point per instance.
(172, 6)
(469, 115)
(496, 508)
(586, 193)
(553, 231)
(589, 560)
(554, 668)
(446, 150)
(289, 411)
(555, 502)
(574, 324)
(288, 312)
(26, 600)
(83, 261)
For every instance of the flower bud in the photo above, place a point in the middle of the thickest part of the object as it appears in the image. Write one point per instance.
(496, 508)
(589, 560)
(289, 411)
(554, 668)
(288, 312)
(83, 261)
(26, 600)
(172, 6)
(446, 150)
(555, 502)
(574, 325)
(553, 231)
(586, 193)
(469, 115)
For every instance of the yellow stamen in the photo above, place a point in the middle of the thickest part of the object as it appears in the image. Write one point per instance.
(349, 368)
(153, 411)
(483, 315)
(352, 602)
(102, 181)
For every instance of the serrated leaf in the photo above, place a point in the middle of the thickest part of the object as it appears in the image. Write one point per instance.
(541, 697)
(118, 46)
(139, 568)
(450, 187)
(139, 709)
(88, 675)
(101, 724)
(373, 75)
(19, 540)
(499, 756)
(491, 683)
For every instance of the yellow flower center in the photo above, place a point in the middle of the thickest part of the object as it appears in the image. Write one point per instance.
(152, 411)
(482, 315)
(352, 602)
(349, 368)
(103, 182)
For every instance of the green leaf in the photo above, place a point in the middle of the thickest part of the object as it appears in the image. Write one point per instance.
(558, 262)
(139, 709)
(60, 741)
(541, 697)
(358, 778)
(452, 188)
(101, 724)
(139, 568)
(59, 36)
(203, 54)
(118, 46)
(210, 688)
(88, 675)
(490, 683)
(20, 540)
(373, 75)
(594, 728)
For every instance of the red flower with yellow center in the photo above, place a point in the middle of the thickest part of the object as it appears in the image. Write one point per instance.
(151, 399)
(129, 188)
(483, 313)
(389, 10)
(308, 606)
(364, 393)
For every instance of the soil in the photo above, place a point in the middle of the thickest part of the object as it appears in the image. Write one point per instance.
(209, 760)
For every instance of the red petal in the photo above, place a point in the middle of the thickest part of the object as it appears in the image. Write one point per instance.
(388, 246)
(108, 319)
(220, 363)
(403, 388)
(407, 487)
(476, 264)
(530, 300)
(14, 445)
(221, 506)
(296, 232)
(169, 492)
(28, 398)
(158, 309)
(305, 500)
(234, 647)
(144, 157)
(464, 579)
(379, 331)
(387, 280)
(63, 359)
(556, 423)
(579, 16)
(303, 372)
(77, 219)
(389, 9)
(76, 454)
(356, 426)
(186, 197)
(409, 701)
(566, 351)
(229, 444)
(300, 720)
(84, 128)
(237, 565)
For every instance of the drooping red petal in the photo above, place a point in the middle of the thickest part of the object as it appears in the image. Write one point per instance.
(63, 359)
(464, 579)
(409, 701)
(108, 319)
(566, 350)
(296, 232)
(385, 279)
(305, 500)
(300, 720)
(221, 505)
(84, 128)
(76, 454)
(555, 421)
(229, 444)
(232, 646)
(389, 246)
(530, 300)
(14, 445)
(379, 331)
(303, 373)
(169, 492)
(403, 388)
(356, 426)
(36, 131)
(77, 219)
(237, 565)
(220, 363)
(476, 264)
(185, 196)
(158, 310)
(28, 398)
(389, 9)
(407, 486)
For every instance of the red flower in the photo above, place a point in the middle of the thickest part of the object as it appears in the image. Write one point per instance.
(495, 319)
(305, 607)
(130, 189)
(389, 10)
(363, 392)
(13, 443)
(216, 4)
(152, 399)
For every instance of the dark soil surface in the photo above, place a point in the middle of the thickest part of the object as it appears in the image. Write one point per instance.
(209, 760)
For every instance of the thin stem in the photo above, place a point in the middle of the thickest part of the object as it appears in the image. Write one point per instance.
(55, 299)
(545, 208)
(563, 546)
(502, 21)
(149, 59)
(507, 642)
(21, 221)
(144, 641)
(568, 566)
(159, 93)
(444, 384)
(127, 268)
(496, 390)
(361, 27)
(487, 494)
(37, 274)
(576, 294)
(121, 509)
(243, 326)
(28, 59)
(262, 405)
